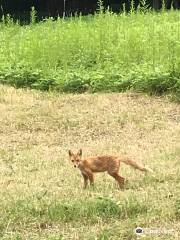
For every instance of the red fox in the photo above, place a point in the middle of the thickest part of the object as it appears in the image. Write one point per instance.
(111, 164)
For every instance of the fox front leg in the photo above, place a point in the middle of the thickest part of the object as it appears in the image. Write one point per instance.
(91, 178)
(85, 180)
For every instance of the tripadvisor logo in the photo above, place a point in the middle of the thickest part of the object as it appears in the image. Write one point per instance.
(139, 231)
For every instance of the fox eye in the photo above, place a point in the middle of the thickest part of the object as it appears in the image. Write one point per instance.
(72, 160)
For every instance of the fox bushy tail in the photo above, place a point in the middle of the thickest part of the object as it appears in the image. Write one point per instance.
(135, 165)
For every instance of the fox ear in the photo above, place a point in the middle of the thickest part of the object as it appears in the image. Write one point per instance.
(70, 153)
(79, 152)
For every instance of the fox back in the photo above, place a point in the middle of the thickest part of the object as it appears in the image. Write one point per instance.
(95, 164)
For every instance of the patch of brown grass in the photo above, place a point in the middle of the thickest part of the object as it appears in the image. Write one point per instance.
(37, 129)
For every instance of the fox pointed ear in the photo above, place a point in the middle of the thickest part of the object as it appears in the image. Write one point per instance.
(70, 153)
(79, 152)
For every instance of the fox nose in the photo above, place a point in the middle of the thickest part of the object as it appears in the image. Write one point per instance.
(74, 165)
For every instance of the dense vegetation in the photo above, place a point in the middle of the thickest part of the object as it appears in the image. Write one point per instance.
(104, 52)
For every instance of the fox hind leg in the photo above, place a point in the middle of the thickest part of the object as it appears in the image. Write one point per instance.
(118, 178)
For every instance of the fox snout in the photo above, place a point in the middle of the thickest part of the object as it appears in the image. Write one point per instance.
(76, 164)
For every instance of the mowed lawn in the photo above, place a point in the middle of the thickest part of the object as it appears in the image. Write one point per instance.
(41, 195)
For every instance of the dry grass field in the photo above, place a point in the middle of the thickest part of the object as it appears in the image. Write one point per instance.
(41, 193)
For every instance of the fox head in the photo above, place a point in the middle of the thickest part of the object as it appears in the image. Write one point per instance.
(75, 158)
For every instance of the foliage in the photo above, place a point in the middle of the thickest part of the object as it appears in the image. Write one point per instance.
(104, 52)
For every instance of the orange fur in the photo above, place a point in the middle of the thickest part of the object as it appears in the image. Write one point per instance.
(109, 164)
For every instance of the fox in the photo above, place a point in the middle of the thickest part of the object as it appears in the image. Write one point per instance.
(105, 163)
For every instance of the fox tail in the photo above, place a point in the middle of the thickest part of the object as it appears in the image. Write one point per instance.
(136, 165)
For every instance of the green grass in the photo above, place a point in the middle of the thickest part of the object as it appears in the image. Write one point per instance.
(104, 52)
(42, 195)
(78, 210)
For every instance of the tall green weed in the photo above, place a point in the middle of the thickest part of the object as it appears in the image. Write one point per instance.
(104, 52)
